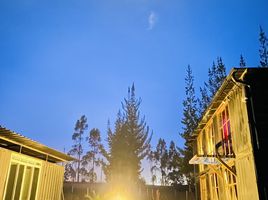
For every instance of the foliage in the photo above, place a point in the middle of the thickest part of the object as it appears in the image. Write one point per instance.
(189, 122)
(128, 144)
(165, 161)
(204, 100)
(153, 167)
(263, 51)
(216, 76)
(242, 62)
(77, 148)
(160, 158)
(174, 160)
(94, 141)
(69, 172)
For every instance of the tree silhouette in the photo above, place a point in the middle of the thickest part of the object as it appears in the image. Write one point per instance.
(174, 160)
(242, 62)
(161, 157)
(128, 144)
(263, 51)
(216, 76)
(189, 122)
(77, 148)
(94, 141)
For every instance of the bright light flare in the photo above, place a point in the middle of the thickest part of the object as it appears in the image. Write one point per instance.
(119, 197)
(121, 191)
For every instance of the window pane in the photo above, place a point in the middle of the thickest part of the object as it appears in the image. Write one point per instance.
(34, 183)
(11, 181)
(19, 182)
(26, 182)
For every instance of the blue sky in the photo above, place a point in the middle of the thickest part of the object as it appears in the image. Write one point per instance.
(62, 59)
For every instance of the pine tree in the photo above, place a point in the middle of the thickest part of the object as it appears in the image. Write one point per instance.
(220, 74)
(212, 80)
(77, 148)
(203, 101)
(189, 122)
(242, 62)
(216, 76)
(129, 144)
(263, 49)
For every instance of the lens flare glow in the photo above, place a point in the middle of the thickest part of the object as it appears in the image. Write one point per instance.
(119, 197)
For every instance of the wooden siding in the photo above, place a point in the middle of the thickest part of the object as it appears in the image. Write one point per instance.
(50, 182)
(246, 179)
(239, 122)
(244, 162)
(5, 156)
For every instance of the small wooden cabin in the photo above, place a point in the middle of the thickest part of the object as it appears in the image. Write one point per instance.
(28, 169)
(231, 139)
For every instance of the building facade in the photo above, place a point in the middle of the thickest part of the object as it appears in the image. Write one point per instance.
(232, 139)
(28, 169)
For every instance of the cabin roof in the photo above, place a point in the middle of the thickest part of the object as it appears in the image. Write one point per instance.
(235, 75)
(19, 143)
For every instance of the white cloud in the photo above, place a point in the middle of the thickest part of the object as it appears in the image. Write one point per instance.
(152, 19)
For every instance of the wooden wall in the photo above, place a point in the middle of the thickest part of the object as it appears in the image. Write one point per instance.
(5, 156)
(50, 184)
(244, 161)
(50, 181)
(245, 180)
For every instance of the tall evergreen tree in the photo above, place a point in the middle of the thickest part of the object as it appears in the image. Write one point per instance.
(203, 101)
(189, 122)
(129, 144)
(212, 76)
(242, 62)
(77, 148)
(263, 51)
(220, 74)
(216, 76)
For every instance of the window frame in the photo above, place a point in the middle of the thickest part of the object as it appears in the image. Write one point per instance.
(22, 162)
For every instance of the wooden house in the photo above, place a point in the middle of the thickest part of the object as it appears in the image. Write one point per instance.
(29, 170)
(231, 139)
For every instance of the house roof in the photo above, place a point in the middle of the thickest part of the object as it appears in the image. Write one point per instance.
(235, 76)
(19, 143)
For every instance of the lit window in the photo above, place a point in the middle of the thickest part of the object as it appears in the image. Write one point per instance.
(225, 130)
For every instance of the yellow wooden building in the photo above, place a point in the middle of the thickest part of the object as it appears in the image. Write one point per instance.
(28, 169)
(231, 139)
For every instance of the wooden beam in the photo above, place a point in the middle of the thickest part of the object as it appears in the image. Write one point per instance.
(226, 166)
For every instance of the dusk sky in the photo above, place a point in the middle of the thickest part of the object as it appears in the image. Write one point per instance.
(61, 59)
